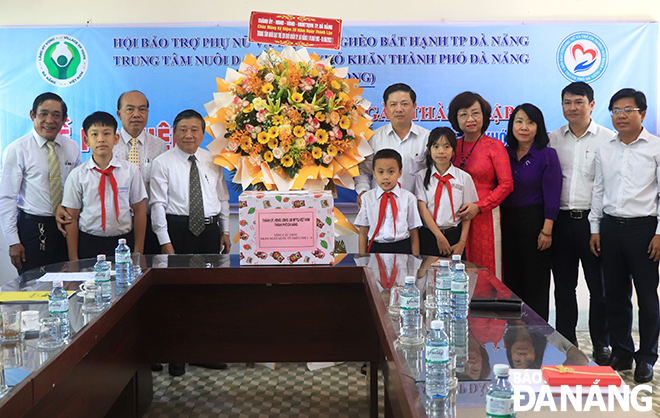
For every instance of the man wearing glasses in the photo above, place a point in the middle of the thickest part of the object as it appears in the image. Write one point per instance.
(625, 232)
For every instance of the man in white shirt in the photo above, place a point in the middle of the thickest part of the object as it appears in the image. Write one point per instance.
(171, 190)
(34, 170)
(625, 232)
(189, 201)
(576, 145)
(401, 135)
(139, 147)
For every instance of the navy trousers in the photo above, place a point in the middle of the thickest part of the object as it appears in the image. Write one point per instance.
(626, 263)
(570, 246)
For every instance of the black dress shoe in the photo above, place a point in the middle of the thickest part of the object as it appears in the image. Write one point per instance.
(212, 366)
(156, 367)
(643, 372)
(618, 364)
(177, 369)
(601, 355)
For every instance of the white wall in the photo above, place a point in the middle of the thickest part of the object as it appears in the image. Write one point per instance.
(80, 12)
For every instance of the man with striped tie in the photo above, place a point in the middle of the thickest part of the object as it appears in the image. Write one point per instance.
(34, 169)
(139, 147)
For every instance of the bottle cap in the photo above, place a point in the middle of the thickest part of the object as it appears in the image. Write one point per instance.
(501, 370)
(460, 266)
(122, 241)
(410, 279)
(456, 257)
(100, 257)
(444, 263)
(58, 283)
(437, 324)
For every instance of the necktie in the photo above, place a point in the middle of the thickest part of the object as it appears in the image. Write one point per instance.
(113, 183)
(438, 192)
(195, 200)
(54, 177)
(387, 196)
(134, 153)
(386, 282)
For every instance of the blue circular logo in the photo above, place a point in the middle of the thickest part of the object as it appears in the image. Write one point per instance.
(582, 56)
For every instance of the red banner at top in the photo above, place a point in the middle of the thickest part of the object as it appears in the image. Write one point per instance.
(281, 29)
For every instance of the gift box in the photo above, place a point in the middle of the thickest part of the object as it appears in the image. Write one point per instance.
(284, 228)
(580, 375)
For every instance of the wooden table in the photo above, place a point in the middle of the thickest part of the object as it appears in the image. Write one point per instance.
(211, 315)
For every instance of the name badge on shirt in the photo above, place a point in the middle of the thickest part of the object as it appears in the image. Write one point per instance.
(122, 190)
(457, 186)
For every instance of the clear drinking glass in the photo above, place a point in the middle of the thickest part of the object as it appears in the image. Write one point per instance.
(50, 333)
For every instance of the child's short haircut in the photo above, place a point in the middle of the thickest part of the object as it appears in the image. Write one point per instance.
(388, 153)
(101, 119)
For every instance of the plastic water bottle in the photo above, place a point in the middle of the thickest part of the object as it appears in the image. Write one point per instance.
(459, 344)
(411, 325)
(102, 278)
(58, 307)
(455, 259)
(459, 292)
(123, 262)
(499, 398)
(437, 361)
(443, 279)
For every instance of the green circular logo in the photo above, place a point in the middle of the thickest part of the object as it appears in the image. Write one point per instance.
(62, 60)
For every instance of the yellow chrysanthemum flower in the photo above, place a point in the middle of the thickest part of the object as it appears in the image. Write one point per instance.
(297, 97)
(320, 116)
(332, 150)
(344, 122)
(299, 131)
(278, 119)
(317, 153)
(267, 88)
(231, 127)
(314, 73)
(272, 144)
(263, 137)
(287, 161)
(273, 132)
(343, 96)
(248, 109)
(321, 136)
(335, 85)
(268, 156)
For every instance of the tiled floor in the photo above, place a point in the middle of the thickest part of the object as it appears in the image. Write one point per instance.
(289, 391)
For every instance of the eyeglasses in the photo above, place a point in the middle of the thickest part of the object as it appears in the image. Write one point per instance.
(464, 115)
(626, 110)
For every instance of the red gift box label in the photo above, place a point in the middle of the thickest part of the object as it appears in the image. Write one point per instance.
(580, 375)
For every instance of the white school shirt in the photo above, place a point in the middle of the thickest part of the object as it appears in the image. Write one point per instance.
(149, 147)
(170, 184)
(407, 215)
(576, 157)
(626, 183)
(462, 189)
(24, 181)
(81, 191)
(413, 153)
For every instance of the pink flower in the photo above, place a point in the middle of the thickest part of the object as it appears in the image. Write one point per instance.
(310, 81)
(310, 138)
(249, 128)
(329, 95)
(237, 100)
(327, 158)
(338, 134)
(315, 123)
(307, 87)
(350, 132)
(261, 116)
(269, 78)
